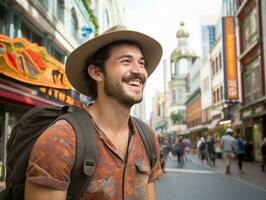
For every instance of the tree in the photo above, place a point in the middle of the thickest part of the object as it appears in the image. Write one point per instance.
(176, 117)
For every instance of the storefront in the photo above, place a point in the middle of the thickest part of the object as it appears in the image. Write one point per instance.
(254, 127)
(28, 77)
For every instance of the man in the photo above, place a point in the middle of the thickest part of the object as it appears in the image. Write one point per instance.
(227, 145)
(111, 68)
(240, 151)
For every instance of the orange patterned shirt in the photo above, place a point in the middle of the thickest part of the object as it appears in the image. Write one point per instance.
(53, 156)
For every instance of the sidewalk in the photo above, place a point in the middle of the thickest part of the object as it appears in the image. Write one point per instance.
(252, 170)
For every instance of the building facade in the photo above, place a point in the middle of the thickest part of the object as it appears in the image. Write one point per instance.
(251, 25)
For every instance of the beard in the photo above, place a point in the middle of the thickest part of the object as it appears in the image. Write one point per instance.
(113, 88)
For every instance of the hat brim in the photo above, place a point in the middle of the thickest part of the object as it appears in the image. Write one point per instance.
(76, 61)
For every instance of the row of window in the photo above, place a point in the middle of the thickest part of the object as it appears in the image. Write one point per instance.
(216, 64)
(217, 95)
(15, 26)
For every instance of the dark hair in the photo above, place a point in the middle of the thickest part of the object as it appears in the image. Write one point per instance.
(98, 59)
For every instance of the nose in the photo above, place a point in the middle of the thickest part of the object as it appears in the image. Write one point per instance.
(138, 68)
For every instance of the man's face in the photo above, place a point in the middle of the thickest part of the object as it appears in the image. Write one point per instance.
(125, 74)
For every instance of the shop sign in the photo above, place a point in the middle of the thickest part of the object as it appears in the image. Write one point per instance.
(247, 113)
(229, 57)
(58, 95)
(30, 63)
(259, 108)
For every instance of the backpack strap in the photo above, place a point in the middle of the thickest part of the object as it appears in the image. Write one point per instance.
(148, 140)
(86, 151)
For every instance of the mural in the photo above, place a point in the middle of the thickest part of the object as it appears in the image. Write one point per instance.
(30, 63)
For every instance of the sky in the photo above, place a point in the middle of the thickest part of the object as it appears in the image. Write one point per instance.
(160, 19)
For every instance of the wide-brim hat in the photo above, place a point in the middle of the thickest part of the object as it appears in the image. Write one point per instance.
(76, 61)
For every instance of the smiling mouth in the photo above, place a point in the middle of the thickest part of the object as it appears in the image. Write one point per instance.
(135, 82)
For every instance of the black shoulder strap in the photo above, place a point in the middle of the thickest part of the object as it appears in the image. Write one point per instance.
(148, 140)
(86, 151)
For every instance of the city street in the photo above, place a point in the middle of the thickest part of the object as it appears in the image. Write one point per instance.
(196, 181)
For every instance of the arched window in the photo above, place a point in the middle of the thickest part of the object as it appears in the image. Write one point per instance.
(74, 23)
(60, 7)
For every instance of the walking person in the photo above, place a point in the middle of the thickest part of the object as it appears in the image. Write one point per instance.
(211, 150)
(202, 149)
(227, 145)
(112, 69)
(179, 149)
(240, 152)
(263, 153)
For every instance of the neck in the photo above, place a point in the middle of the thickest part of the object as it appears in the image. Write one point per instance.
(110, 115)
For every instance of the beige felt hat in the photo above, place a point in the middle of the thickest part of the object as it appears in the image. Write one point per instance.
(76, 61)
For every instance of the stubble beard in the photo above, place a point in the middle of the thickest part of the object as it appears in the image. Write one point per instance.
(115, 90)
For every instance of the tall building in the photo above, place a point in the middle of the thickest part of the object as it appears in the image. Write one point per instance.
(109, 12)
(250, 15)
(181, 60)
(208, 39)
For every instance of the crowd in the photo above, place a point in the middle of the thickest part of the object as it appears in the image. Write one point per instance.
(208, 149)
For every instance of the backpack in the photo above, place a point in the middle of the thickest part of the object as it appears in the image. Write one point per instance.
(240, 145)
(202, 146)
(177, 149)
(34, 122)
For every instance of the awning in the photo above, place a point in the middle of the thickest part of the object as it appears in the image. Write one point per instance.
(214, 124)
(237, 123)
(198, 128)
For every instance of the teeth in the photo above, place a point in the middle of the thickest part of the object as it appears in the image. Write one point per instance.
(134, 82)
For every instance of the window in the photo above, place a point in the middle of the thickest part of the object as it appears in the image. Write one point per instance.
(252, 81)
(57, 55)
(30, 35)
(3, 21)
(221, 93)
(44, 3)
(249, 29)
(60, 10)
(74, 23)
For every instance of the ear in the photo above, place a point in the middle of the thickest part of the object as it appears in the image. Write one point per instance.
(95, 72)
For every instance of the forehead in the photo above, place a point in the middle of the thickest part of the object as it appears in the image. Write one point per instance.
(131, 49)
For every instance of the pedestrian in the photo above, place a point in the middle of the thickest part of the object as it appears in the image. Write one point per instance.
(179, 149)
(165, 148)
(227, 145)
(202, 149)
(240, 152)
(211, 150)
(112, 69)
(187, 144)
(263, 153)
(198, 145)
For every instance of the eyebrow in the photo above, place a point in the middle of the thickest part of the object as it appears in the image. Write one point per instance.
(130, 56)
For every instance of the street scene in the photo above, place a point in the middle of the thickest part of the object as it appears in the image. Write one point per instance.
(202, 181)
(133, 99)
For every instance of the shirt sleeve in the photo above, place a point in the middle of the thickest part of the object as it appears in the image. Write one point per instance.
(53, 156)
(156, 171)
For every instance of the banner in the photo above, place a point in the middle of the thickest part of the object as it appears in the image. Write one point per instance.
(229, 58)
(30, 63)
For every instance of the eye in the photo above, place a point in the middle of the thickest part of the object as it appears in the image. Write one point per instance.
(125, 61)
(142, 63)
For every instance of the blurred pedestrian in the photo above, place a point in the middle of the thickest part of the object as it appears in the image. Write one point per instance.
(179, 148)
(165, 148)
(240, 152)
(198, 145)
(202, 150)
(263, 153)
(211, 150)
(187, 144)
(227, 145)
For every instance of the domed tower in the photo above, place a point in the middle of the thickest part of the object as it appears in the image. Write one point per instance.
(181, 60)
(183, 55)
